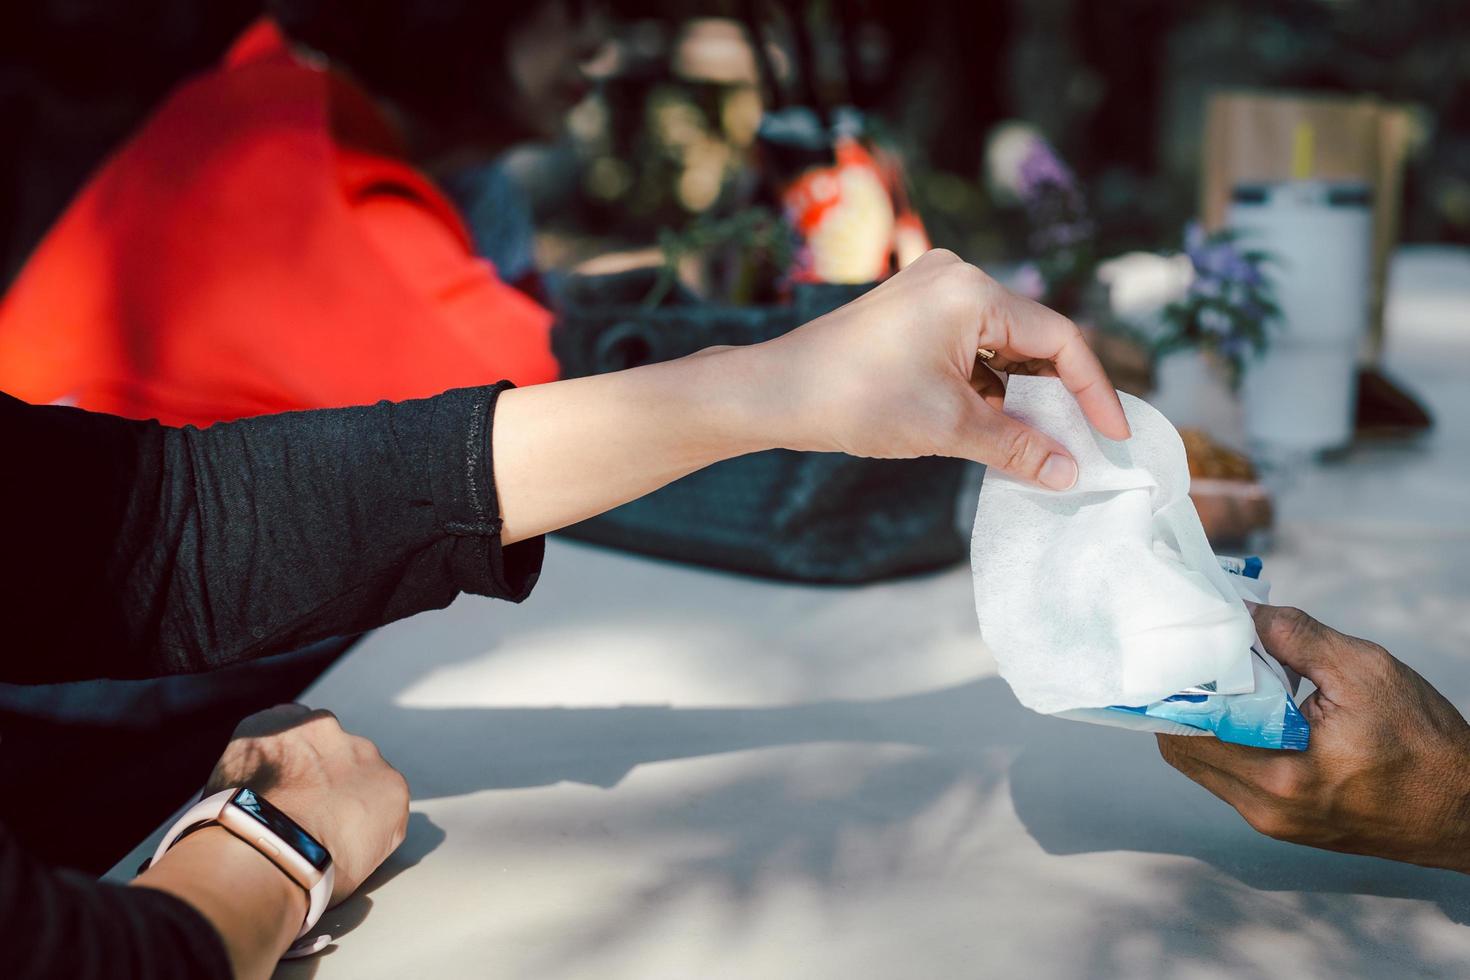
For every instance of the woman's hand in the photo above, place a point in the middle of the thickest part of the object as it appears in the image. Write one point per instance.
(334, 784)
(896, 374)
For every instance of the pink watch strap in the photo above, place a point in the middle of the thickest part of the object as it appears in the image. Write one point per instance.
(208, 810)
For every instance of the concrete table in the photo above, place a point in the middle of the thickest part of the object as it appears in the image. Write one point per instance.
(651, 771)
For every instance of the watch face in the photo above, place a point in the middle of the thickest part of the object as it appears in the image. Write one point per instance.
(283, 827)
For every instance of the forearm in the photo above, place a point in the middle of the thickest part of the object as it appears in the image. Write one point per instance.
(63, 924)
(568, 450)
(250, 902)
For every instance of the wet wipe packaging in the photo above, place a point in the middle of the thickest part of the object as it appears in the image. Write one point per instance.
(1105, 603)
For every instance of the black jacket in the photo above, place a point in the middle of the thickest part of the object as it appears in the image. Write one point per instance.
(133, 549)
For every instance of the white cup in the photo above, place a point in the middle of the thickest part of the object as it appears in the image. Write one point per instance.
(1301, 396)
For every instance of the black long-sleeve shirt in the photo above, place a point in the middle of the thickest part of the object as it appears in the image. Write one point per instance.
(133, 549)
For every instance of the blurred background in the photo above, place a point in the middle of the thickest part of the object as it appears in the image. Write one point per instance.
(1118, 88)
(1191, 182)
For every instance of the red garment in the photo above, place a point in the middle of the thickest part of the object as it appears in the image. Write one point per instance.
(256, 248)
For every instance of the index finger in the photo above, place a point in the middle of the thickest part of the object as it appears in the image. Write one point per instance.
(1218, 782)
(1018, 325)
(1246, 764)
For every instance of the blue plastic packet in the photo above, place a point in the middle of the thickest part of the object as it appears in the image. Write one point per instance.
(1267, 717)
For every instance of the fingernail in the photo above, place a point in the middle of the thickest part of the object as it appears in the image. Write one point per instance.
(1058, 472)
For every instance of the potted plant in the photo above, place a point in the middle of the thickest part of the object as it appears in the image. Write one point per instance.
(1206, 337)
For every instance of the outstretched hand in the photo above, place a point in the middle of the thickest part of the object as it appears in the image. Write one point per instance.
(898, 373)
(1388, 769)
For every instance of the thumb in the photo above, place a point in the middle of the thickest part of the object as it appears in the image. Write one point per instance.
(1016, 449)
(1301, 643)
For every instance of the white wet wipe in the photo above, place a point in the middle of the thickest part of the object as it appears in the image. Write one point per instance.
(1108, 593)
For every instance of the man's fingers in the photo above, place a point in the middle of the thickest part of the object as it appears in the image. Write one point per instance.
(1178, 751)
(1002, 443)
(1250, 765)
(1266, 774)
(1265, 787)
(1017, 326)
(1301, 643)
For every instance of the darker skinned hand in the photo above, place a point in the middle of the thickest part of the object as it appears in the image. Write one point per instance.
(1387, 772)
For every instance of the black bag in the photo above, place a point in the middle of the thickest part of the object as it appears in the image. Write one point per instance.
(816, 517)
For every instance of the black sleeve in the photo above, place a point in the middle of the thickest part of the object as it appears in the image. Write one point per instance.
(137, 549)
(62, 924)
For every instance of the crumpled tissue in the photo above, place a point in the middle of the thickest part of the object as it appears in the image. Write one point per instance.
(1108, 595)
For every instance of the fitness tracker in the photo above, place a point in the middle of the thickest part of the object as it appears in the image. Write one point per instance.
(250, 817)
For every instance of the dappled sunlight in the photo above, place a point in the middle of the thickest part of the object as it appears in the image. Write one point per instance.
(690, 793)
(587, 637)
(716, 866)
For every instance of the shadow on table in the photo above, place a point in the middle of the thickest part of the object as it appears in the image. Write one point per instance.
(423, 836)
(1077, 788)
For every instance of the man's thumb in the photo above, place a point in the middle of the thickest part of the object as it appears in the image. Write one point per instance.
(1299, 642)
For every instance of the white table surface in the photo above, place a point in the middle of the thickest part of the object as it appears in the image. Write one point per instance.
(651, 771)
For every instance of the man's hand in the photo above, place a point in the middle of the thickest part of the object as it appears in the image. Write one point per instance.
(1388, 770)
(896, 374)
(334, 784)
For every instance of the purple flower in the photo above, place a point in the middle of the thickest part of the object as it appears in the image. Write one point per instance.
(1234, 347)
(1225, 261)
(1029, 282)
(1055, 236)
(1042, 169)
(1203, 287)
(1216, 257)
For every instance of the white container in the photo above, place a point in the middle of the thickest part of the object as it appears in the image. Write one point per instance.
(1192, 390)
(1300, 398)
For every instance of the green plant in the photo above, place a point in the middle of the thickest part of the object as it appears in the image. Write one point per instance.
(748, 251)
